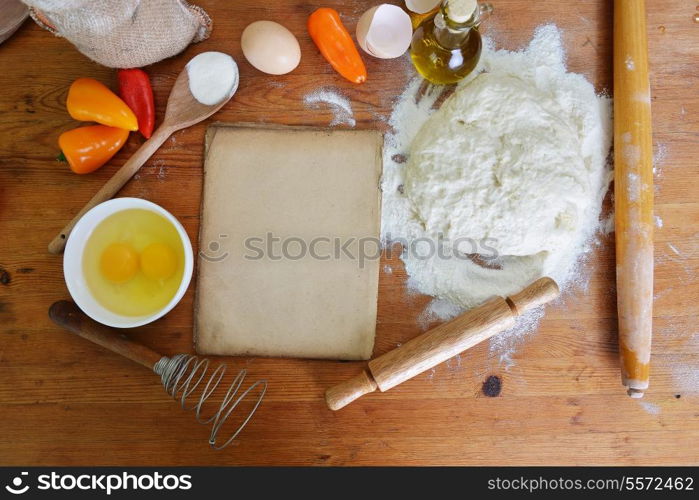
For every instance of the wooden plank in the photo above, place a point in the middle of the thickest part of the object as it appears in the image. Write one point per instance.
(64, 401)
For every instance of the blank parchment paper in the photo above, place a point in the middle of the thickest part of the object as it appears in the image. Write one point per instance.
(289, 242)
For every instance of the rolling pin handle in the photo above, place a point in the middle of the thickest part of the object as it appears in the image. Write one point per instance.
(635, 393)
(537, 294)
(344, 393)
(442, 342)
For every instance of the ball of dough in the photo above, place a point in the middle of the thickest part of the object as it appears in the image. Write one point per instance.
(500, 162)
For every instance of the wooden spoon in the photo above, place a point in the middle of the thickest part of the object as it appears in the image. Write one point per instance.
(182, 111)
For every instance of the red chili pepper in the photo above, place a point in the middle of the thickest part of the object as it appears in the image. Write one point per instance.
(135, 90)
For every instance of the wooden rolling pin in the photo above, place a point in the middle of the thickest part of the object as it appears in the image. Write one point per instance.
(633, 193)
(441, 343)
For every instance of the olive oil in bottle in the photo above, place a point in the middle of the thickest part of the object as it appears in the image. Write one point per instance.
(447, 47)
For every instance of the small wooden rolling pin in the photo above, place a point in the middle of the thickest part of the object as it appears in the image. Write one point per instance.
(441, 343)
(633, 193)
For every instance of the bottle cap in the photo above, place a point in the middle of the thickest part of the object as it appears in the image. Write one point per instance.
(461, 11)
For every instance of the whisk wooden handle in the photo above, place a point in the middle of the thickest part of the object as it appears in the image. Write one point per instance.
(441, 343)
(67, 315)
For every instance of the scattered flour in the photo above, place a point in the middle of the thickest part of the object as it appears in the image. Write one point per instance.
(651, 408)
(339, 104)
(634, 186)
(454, 364)
(659, 155)
(505, 344)
(437, 310)
(630, 152)
(686, 376)
(674, 250)
(607, 225)
(481, 180)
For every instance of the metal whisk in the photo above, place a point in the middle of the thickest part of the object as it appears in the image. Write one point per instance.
(182, 375)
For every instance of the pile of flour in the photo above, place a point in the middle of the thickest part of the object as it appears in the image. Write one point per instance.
(504, 183)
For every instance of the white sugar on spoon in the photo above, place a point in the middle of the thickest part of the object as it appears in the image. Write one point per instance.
(213, 77)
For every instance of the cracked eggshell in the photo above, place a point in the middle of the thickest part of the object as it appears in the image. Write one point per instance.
(385, 31)
(421, 6)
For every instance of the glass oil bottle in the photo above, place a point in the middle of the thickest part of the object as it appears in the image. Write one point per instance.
(444, 48)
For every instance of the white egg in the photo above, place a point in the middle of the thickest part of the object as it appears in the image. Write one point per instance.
(385, 31)
(270, 47)
(421, 6)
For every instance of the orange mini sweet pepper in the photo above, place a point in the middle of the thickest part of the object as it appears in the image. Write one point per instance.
(336, 44)
(91, 101)
(88, 148)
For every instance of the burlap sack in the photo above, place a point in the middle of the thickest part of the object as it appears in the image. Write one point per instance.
(124, 33)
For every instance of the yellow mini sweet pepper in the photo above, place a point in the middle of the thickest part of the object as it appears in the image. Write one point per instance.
(91, 101)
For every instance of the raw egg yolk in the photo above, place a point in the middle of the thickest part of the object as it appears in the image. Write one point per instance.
(119, 263)
(158, 261)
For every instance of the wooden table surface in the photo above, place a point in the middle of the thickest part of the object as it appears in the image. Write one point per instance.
(65, 401)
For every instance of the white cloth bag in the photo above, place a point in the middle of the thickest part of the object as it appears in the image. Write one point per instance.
(124, 33)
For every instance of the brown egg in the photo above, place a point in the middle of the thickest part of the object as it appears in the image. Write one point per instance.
(270, 47)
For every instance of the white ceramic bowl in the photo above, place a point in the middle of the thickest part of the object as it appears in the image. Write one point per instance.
(73, 262)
